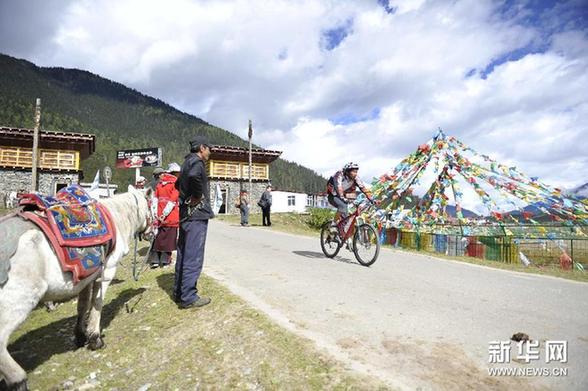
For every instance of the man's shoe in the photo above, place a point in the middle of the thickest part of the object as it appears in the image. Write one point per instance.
(333, 230)
(201, 302)
(154, 265)
(349, 245)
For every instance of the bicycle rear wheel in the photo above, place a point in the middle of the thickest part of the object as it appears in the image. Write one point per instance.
(329, 243)
(366, 245)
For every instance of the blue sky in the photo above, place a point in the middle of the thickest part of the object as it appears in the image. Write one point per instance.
(332, 37)
(328, 81)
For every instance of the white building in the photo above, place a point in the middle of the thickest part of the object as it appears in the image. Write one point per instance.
(288, 201)
(101, 191)
(318, 200)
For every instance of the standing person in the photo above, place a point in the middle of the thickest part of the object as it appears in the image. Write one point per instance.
(157, 172)
(195, 211)
(266, 204)
(168, 217)
(244, 208)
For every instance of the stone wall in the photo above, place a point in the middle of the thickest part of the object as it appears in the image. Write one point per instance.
(233, 190)
(19, 181)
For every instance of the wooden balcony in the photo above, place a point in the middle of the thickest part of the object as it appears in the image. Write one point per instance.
(237, 170)
(49, 159)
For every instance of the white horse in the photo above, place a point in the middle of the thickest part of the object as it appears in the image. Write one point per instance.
(35, 276)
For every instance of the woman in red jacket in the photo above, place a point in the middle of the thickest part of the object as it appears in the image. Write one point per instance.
(168, 217)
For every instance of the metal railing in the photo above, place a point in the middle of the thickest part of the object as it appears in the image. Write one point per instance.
(540, 250)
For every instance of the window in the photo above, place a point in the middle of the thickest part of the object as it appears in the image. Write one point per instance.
(59, 186)
(309, 200)
(291, 200)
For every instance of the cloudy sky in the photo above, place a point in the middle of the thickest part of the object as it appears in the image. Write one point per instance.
(328, 81)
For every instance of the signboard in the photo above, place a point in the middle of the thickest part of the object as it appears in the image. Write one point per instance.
(137, 158)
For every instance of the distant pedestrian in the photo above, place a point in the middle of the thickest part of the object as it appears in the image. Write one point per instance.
(266, 204)
(195, 211)
(243, 203)
(141, 182)
(168, 217)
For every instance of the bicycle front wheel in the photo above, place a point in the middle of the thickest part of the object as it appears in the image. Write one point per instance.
(329, 243)
(366, 245)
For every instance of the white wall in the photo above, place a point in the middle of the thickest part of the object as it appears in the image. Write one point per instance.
(320, 201)
(280, 202)
(100, 192)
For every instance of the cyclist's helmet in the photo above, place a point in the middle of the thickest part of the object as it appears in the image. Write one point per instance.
(350, 166)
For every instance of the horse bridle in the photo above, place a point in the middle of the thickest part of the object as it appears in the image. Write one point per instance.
(148, 218)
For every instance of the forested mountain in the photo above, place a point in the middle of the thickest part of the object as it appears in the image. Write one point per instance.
(120, 117)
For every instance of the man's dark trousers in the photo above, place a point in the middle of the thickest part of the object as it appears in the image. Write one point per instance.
(266, 216)
(190, 260)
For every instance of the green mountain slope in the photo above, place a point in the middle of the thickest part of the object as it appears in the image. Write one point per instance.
(122, 118)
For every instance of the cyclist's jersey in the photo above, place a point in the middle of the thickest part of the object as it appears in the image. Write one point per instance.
(340, 184)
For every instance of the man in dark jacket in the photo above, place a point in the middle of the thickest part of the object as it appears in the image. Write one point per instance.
(266, 204)
(195, 211)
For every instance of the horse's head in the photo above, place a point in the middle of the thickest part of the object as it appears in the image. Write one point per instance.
(143, 198)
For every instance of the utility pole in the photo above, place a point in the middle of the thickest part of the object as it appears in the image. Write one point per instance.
(250, 158)
(35, 162)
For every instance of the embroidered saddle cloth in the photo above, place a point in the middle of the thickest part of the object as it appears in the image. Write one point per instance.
(80, 229)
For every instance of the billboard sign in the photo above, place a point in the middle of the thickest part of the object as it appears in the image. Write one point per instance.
(137, 158)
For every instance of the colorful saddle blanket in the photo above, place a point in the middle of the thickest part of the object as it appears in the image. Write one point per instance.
(79, 228)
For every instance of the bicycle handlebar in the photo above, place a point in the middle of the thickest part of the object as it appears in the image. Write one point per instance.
(370, 207)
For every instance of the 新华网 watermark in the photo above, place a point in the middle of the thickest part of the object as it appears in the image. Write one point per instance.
(528, 372)
(500, 352)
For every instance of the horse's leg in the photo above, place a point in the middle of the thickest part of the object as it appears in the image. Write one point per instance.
(15, 306)
(14, 376)
(98, 293)
(84, 300)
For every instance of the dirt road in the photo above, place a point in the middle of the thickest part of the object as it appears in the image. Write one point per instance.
(414, 321)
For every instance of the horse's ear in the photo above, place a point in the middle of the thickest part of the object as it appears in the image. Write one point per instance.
(131, 189)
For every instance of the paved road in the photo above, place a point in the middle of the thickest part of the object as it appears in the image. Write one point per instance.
(412, 320)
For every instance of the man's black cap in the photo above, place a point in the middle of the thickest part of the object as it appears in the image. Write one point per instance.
(198, 141)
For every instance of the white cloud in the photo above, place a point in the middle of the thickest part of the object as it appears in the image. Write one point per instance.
(314, 143)
(420, 67)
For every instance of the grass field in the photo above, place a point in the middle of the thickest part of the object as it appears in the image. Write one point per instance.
(151, 344)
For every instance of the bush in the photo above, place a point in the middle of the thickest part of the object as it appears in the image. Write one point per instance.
(318, 217)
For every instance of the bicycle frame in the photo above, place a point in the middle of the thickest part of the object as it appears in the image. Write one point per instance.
(345, 222)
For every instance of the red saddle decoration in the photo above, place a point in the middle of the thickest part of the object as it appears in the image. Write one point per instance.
(80, 229)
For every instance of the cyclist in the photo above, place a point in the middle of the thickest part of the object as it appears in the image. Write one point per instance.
(342, 184)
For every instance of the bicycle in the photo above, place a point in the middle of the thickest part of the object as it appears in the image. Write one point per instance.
(365, 236)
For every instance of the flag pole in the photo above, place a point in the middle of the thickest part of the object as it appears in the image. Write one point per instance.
(35, 155)
(250, 134)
